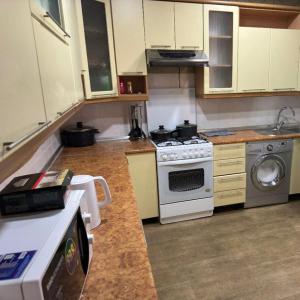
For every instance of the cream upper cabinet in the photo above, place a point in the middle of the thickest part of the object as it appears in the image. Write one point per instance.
(253, 59)
(189, 26)
(221, 27)
(284, 59)
(55, 70)
(21, 99)
(70, 22)
(97, 48)
(128, 26)
(159, 24)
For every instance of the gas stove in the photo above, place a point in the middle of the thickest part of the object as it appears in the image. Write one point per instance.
(194, 140)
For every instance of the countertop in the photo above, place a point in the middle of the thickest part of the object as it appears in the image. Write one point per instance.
(120, 268)
(249, 135)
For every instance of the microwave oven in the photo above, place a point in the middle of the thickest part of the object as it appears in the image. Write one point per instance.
(45, 255)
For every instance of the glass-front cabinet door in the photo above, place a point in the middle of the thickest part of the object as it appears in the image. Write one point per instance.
(98, 60)
(220, 44)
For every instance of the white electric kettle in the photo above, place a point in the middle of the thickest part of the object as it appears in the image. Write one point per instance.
(87, 183)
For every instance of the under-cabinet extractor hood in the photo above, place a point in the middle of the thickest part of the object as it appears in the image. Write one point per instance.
(176, 58)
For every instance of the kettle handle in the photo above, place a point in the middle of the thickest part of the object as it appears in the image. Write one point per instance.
(105, 187)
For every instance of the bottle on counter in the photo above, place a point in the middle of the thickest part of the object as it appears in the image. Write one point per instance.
(122, 87)
(129, 87)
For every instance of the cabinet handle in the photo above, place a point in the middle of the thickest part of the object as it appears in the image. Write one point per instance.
(60, 113)
(230, 163)
(189, 47)
(132, 73)
(224, 196)
(160, 46)
(9, 146)
(48, 15)
(254, 90)
(224, 180)
(284, 89)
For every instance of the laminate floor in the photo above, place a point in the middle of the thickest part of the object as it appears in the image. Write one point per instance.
(241, 254)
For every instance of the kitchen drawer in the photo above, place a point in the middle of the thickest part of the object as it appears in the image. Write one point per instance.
(229, 182)
(229, 166)
(229, 197)
(229, 151)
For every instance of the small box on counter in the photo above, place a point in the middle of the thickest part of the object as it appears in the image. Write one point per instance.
(35, 192)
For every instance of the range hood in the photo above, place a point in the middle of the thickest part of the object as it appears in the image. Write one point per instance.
(176, 58)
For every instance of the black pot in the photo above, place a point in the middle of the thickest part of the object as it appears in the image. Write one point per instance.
(160, 134)
(79, 136)
(186, 129)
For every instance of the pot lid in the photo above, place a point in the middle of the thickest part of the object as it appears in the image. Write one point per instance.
(186, 124)
(161, 130)
(80, 128)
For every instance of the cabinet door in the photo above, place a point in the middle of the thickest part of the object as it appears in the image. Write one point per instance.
(129, 30)
(159, 24)
(295, 169)
(71, 26)
(253, 59)
(55, 71)
(189, 26)
(142, 168)
(21, 99)
(284, 59)
(221, 25)
(96, 38)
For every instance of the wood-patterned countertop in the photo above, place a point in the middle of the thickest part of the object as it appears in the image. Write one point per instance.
(243, 136)
(120, 267)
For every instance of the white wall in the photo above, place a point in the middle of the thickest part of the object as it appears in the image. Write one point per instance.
(38, 161)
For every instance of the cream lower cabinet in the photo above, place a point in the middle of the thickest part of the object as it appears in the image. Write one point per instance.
(55, 70)
(21, 98)
(284, 59)
(253, 74)
(142, 168)
(295, 169)
(128, 26)
(229, 174)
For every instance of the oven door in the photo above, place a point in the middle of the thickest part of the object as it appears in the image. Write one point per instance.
(185, 180)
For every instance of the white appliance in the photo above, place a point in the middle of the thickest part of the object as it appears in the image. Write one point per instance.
(45, 255)
(185, 179)
(87, 183)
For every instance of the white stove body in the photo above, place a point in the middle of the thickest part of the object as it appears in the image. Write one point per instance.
(185, 182)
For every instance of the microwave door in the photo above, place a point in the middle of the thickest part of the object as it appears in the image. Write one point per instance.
(83, 243)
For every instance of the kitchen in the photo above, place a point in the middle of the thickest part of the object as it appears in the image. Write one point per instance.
(222, 77)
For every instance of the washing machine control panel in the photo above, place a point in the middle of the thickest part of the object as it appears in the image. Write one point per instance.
(269, 147)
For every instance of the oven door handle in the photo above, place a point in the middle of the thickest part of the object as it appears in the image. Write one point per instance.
(184, 162)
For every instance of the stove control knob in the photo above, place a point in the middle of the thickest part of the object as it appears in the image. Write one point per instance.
(164, 157)
(184, 155)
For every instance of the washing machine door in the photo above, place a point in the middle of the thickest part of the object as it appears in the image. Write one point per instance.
(268, 172)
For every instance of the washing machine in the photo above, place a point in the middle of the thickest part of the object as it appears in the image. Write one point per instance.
(268, 166)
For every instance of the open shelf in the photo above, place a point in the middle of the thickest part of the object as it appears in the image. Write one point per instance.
(138, 85)
(128, 98)
(267, 18)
